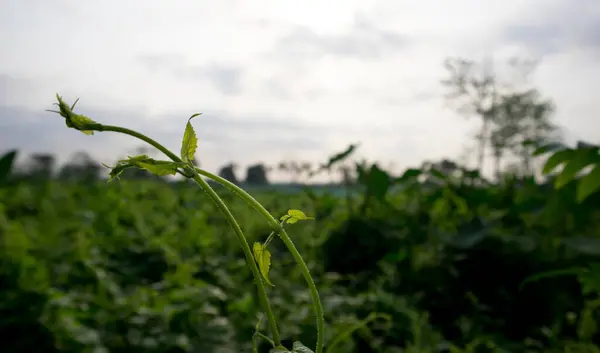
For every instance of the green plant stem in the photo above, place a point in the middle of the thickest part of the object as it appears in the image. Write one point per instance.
(262, 294)
(317, 306)
(348, 332)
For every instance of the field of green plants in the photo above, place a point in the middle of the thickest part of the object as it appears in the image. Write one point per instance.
(450, 264)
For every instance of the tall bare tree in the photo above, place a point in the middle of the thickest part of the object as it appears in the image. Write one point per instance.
(472, 92)
(510, 110)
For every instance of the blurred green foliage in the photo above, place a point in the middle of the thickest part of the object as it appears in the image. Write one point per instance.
(430, 261)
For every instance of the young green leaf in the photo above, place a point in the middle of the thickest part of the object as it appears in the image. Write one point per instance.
(263, 259)
(294, 216)
(589, 184)
(160, 168)
(298, 347)
(190, 141)
(279, 349)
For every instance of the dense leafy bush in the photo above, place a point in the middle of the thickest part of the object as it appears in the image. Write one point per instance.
(148, 267)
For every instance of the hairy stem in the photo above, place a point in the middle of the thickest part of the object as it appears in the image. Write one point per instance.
(317, 306)
(262, 294)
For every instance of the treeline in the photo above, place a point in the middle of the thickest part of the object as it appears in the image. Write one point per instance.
(513, 116)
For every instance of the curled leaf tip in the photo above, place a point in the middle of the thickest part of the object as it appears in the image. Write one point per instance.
(75, 121)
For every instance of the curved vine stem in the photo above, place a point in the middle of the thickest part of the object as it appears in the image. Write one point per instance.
(318, 308)
(262, 294)
(195, 174)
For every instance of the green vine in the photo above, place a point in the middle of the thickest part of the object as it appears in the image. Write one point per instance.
(258, 258)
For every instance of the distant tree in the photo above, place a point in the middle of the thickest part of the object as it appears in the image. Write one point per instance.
(41, 166)
(257, 174)
(520, 117)
(228, 172)
(80, 167)
(472, 91)
(510, 111)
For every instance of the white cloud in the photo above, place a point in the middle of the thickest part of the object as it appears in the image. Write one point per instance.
(346, 70)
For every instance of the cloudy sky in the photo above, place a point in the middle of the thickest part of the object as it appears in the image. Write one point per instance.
(281, 79)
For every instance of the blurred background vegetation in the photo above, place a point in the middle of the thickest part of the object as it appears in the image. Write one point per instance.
(435, 257)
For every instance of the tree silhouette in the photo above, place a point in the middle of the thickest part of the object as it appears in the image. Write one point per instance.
(228, 172)
(510, 112)
(257, 174)
(41, 166)
(472, 87)
(520, 117)
(80, 167)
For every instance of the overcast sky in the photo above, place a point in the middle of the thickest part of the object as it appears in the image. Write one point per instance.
(280, 79)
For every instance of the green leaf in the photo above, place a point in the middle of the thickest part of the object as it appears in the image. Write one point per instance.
(6, 163)
(557, 159)
(581, 159)
(279, 349)
(298, 347)
(588, 184)
(190, 141)
(263, 259)
(378, 182)
(160, 168)
(294, 216)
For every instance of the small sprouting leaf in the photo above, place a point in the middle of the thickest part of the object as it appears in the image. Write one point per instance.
(294, 216)
(190, 141)
(279, 349)
(263, 259)
(298, 347)
(6, 163)
(589, 184)
(75, 121)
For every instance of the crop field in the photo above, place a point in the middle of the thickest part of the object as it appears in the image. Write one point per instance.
(147, 266)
